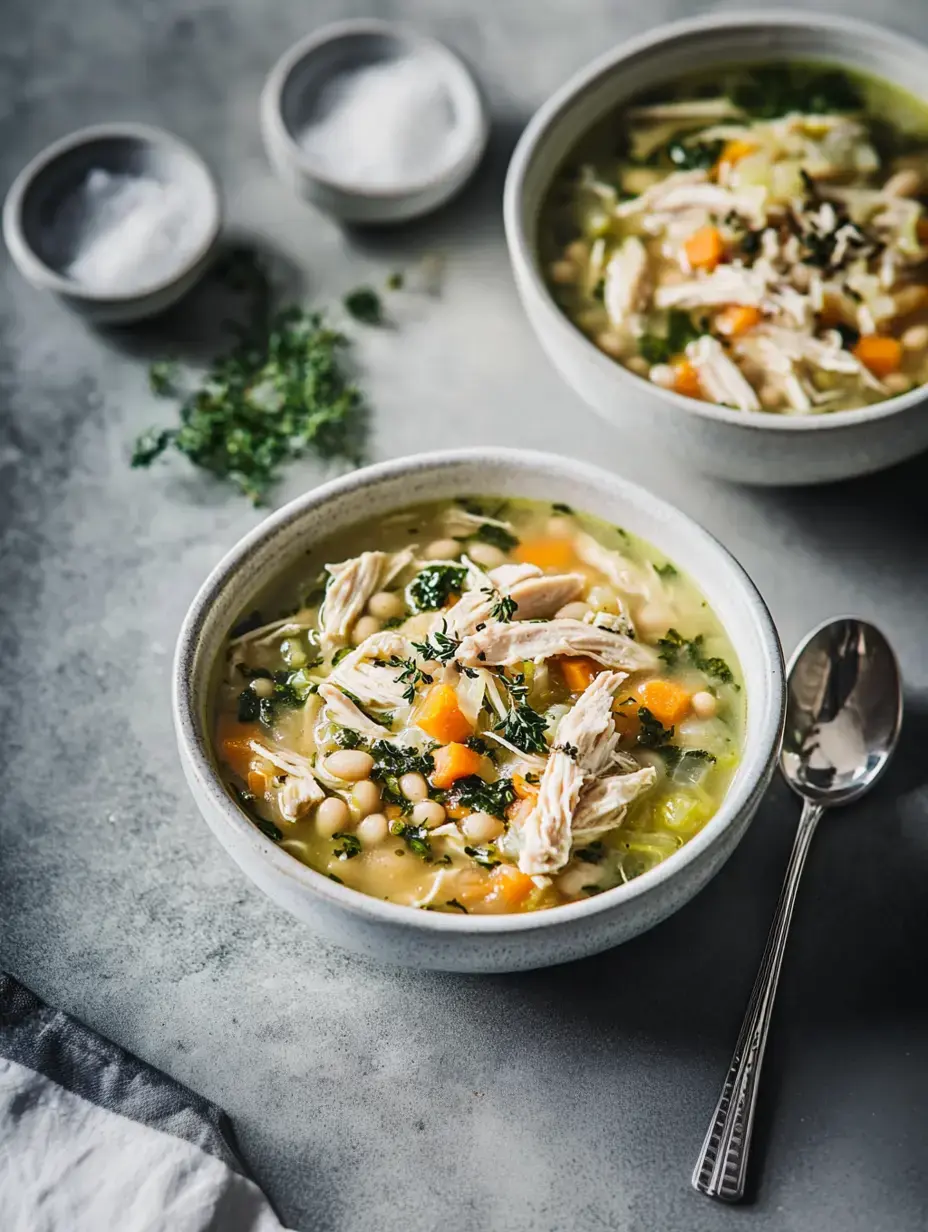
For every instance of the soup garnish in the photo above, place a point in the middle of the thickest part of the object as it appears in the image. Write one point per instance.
(491, 707)
(759, 240)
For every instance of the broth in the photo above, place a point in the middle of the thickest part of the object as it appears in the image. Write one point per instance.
(400, 728)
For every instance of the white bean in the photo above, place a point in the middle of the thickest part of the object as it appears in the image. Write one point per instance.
(386, 605)
(332, 815)
(372, 829)
(352, 765)
(562, 271)
(573, 611)
(262, 687)
(486, 554)
(414, 787)
(442, 549)
(915, 338)
(364, 628)
(637, 364)
(366, 797)
(482, 827)
(576, 251)
(571, 882)
(609, 343)
(602, 599)
(705, 706)
(662, 375)
(897, 382)
(428, 813)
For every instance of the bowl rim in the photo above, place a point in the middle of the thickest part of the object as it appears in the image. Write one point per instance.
(522, 250)
(279, 75)
(32, 265)
(743, 795)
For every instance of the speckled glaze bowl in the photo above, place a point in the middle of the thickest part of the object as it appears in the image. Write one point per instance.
(749, 446)
(403, 935)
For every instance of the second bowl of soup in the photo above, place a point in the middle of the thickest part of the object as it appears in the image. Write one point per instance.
(732, 213)
(485, 726)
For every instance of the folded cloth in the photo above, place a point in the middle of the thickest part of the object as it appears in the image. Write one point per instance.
(93, 1139)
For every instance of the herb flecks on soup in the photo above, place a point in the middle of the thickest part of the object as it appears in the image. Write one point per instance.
(759, 241)
(490, 708)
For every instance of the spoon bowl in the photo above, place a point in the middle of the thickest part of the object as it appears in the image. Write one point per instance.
(843, 712)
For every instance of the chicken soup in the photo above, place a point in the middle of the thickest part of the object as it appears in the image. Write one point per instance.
(755, 237)
(481, 706)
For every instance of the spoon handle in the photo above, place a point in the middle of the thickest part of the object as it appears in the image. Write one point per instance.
(721, 1169)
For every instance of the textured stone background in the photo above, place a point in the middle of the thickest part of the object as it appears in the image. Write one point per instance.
(370, 1100)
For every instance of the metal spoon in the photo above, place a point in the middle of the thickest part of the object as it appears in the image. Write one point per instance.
(843, 715)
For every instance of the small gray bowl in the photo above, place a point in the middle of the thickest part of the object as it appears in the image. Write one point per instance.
(292, 96)
(43, 225)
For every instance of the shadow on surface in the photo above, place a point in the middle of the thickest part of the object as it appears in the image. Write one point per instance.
(246, 276)
(482, 196)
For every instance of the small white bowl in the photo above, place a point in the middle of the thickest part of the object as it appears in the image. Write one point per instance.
(43, 244)
(404, 935)
(751, 447)
(291, 95)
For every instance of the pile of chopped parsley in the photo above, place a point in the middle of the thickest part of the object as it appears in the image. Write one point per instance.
(281, 392)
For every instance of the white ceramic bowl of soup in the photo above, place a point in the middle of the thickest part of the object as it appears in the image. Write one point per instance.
(449, 941)
(751, 447)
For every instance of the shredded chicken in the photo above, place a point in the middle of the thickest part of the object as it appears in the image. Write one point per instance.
(540, 597)
(363, 674)
(459, 521)
(603, 803)
(621, 572)
(353, 582)
(299, 791)
(343, 711)
(505, 644)
(719, 376)
(585, 746)
(625, 281)
(728, 284)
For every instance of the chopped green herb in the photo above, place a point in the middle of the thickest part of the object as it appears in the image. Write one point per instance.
(416, 838)
(337, 880)
(592, 853)
(340, 654)
(694, 155)
(394, 760)
(493, 798)
(395, 281)
(162, 378)
(412, 675)
(675, 756)
(431, 588)
(365, 305)
(350, 845)
(770, 91)
(268, 828)
(592, 889)
(486, 857)
(681, 330)
(278, 394)
(497, 536)
(439, 647)
(666, 571)
(453, 902)
(673, 646)
(503, 609)
(652, 734)
(558, 507)
(348, 738)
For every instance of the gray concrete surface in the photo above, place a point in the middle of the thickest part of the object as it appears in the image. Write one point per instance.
(371, 1100)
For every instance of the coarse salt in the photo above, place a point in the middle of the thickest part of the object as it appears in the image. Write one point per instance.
(128, 232)
(385, 125)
